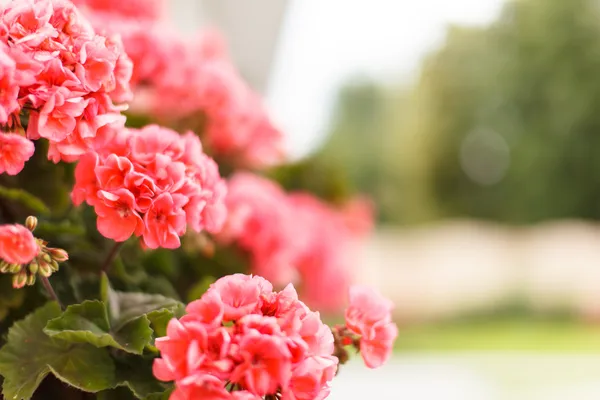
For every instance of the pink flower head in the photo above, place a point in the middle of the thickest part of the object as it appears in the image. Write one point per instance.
(54, 67)
(369, 317)
(157, 178)
(241, 294)
(367, 308)
(17, 244)
(377, 349)
(254, 347)
(15, 150)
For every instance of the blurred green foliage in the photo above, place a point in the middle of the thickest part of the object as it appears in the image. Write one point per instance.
(502, 123)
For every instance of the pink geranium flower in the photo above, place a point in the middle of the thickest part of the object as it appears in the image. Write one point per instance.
(15, 150)
(377, 349)
(117, 218)
(369, 317)
(241, 294)
(255, 351)
(55, 69)
(165, 221)
(367, 308)
(266, 363)
(17, 244)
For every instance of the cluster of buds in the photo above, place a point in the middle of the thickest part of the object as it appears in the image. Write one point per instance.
(342, 338)
(30, 256)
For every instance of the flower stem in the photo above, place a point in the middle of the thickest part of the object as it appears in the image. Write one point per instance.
(111, 257)
(50, 290)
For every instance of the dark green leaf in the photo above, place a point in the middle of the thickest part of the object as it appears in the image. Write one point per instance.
(88, 323)
(124, 307)
(29, 355)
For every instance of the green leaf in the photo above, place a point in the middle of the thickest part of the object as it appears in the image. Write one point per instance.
(29, 355)
(124, 307)
(125, 321)
(88, 323)
(25, 198)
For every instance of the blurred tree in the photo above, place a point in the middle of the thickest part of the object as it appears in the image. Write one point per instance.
(510, 124)
(502, 124)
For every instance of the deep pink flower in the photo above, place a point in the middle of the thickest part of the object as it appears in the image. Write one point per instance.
(266, 363)
(15, 150)
(241, 294)
(117, 218)
(165, 221)
(17, 244)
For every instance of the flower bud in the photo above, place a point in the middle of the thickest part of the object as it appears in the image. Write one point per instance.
(54, 266)
(19, 280)
(46, 257)
(4, 267)
(45, 269)
(31, 223)
(33, 268)
(59, 255)
(30, 280)
(14, 268)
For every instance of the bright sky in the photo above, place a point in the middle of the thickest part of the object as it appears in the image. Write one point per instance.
(324, 43)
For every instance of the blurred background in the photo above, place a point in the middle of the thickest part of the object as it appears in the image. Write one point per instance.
(474, 125)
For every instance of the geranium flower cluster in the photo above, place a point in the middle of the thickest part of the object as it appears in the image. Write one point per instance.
(369, 327)
(25, 256)
(202, 88)
(242, 340)
(295, 237)
(59, 77)
(152, 183)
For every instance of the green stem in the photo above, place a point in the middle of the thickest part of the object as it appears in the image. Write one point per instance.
(50, 290)
(111, 257)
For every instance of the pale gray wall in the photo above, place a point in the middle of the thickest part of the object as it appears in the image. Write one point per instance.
(250, 27)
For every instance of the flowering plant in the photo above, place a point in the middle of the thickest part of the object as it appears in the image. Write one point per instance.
(122, 197)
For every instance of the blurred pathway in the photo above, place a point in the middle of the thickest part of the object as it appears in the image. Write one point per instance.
(474, 376)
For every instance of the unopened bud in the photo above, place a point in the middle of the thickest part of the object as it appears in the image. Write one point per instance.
(45, 269)
(19, 280)
(31, 223)
(33, 268)
(54, 266)
(14, 268)
(30, 280)
(4, 266)
(46, 257)
(59, 255)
